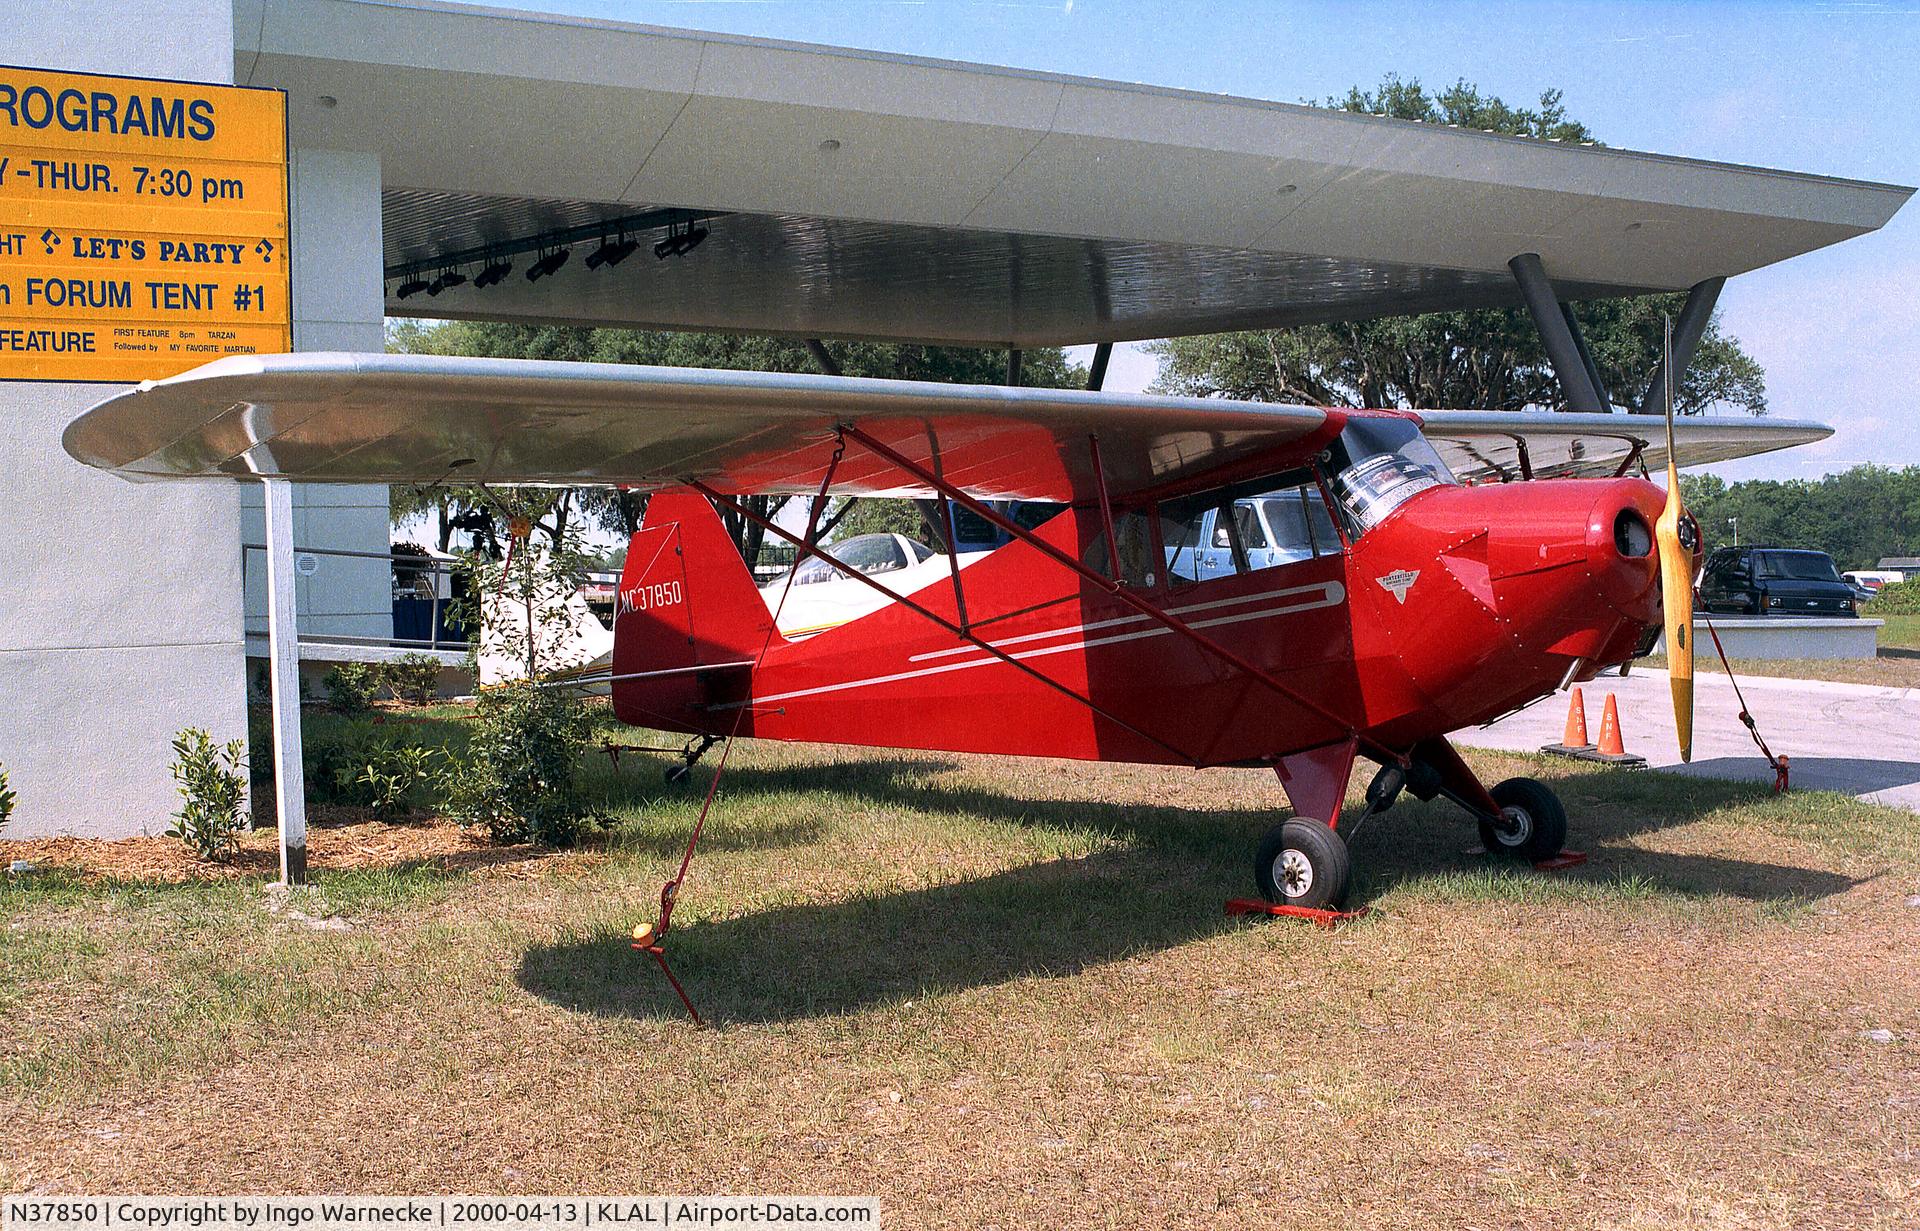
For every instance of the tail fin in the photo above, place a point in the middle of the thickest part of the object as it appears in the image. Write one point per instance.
(686, 598)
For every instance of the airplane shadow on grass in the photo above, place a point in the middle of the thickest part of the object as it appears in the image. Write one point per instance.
(1161, 888)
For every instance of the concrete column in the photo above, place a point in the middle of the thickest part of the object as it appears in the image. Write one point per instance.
(119, 602)
(338, 304)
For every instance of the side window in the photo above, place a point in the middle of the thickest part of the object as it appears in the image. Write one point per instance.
(1032, 514)
(1301, 526)
(1246, 519)
(1133, 533)
(1223, 533)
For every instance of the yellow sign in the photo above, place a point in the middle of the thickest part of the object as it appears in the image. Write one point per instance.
(143, 226)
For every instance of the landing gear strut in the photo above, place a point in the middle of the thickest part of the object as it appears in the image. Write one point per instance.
(695, 749)
(1304, 862)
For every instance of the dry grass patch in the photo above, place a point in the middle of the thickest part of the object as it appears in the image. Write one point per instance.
(1899, 668)
(1002, 993)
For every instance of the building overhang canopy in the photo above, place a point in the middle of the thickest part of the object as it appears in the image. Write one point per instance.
(858, 194)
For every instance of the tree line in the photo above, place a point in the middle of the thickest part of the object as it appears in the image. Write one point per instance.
(1857, 516)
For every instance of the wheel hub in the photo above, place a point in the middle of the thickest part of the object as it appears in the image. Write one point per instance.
(1294, 874)
(1515, 827)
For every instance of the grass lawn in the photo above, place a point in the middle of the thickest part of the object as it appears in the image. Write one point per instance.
(1003, 993)
(1885, 671)
(1900, 632)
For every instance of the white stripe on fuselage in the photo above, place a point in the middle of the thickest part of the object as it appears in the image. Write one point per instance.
(1331, 594)
(1136, 618)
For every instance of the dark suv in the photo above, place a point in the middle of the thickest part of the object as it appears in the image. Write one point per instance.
(1774, 581)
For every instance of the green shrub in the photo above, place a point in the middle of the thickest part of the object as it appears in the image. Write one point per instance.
(1899, 598)
(359, 765)
(520, 775)
(213, 786)
(7, 798)
(395, 775)
(351, 687)
(413, 678)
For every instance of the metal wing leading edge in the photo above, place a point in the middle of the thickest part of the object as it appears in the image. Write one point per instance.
(1488, 445)
(358, 418)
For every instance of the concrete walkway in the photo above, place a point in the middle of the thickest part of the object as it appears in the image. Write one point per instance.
(1854, 738)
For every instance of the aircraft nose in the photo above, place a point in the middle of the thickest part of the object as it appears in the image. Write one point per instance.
(1620, 552)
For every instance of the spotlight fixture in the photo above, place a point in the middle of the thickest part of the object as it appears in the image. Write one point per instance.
(611, 253)
(493, 275)
(412, 286)
(680, 242)
(548, 263)
(447, 278)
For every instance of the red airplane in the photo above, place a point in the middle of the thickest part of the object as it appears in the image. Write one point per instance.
(1443, 569)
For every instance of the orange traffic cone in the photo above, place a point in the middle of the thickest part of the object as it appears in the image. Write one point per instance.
(1573, 740)
(1611, 749)
(1610, 729)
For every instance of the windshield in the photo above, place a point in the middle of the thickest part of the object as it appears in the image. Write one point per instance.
(1380, 464)
(1797, 566)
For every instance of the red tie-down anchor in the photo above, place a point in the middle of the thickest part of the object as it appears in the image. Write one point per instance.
(647, 938)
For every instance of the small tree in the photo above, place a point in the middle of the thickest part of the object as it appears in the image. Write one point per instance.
(7, 798)
(213, 784)
(520, 777)
(529, 613)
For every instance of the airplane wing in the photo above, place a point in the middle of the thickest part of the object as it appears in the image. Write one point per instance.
(1486, 445)
(358, 418)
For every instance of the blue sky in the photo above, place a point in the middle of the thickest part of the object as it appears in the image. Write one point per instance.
(1829, 88)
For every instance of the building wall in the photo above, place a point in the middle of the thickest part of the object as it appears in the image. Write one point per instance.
(119, 602)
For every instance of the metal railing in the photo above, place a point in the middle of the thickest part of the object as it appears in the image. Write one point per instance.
(429, 568)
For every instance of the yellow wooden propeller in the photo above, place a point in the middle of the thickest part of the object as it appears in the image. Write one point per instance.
(1676, 581)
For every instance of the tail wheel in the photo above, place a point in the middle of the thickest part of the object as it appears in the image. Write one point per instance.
(1533, 823)
(1302, 863)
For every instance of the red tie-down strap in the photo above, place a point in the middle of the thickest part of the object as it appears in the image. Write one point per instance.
(1778, 765)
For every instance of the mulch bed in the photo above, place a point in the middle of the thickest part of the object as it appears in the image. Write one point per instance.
(337, 840)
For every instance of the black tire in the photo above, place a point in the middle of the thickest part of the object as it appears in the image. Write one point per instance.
(1302, 863)
(676, 774)
(1539, 829)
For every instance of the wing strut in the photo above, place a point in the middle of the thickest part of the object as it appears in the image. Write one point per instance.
(1110, 584)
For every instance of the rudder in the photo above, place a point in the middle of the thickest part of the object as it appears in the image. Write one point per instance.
(686, 598)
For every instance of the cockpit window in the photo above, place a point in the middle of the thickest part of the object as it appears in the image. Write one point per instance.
(867, 553)
(1264, 524)
(1380, 464)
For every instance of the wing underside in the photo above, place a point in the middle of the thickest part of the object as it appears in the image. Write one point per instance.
(1487, 446)
(360, 418)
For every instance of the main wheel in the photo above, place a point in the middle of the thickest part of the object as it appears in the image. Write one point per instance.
(1302, 863)
(1534, 823)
